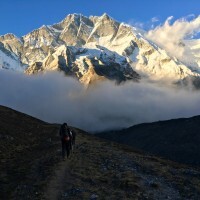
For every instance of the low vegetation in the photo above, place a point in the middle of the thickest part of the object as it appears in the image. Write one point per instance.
(32, 168)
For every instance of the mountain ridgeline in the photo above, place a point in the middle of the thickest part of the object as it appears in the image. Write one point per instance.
(176, 139)
(91, 49)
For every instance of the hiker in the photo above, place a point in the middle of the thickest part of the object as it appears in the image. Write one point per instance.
(72, 139)
(65, 139)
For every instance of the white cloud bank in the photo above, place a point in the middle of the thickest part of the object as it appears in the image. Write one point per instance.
(171, 36)
(55, 98)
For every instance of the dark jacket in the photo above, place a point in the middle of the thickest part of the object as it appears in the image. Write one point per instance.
(64, 131)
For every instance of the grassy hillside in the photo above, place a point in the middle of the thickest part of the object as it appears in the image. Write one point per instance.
(176, 139)
(27, 154)
(31, 167)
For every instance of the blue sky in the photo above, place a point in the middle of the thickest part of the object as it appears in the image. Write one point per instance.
(22, 16)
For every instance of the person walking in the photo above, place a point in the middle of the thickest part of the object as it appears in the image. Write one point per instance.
(73, 139)
(65, 140)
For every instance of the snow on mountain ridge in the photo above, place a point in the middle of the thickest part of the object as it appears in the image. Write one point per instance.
(9, 60)
(96, 36)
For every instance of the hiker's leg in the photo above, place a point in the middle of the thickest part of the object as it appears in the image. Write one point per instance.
(71, 144)
(68, 148)
(74, 142)
(63, 149)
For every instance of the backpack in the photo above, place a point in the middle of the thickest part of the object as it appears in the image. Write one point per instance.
(66, 138)
(65, 134)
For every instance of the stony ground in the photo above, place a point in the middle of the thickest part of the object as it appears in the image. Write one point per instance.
(32, 168)
(102, 170)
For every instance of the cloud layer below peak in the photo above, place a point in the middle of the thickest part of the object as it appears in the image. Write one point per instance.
(54, 98)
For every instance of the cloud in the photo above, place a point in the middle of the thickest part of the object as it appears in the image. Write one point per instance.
(150, 24)
(140, 25)
(171, 37)
(155, 19)
(54, 98)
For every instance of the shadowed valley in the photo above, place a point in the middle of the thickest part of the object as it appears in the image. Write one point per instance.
(31, 166)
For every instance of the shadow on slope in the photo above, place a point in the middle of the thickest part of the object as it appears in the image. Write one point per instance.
(176, 139)
(27, 153)
(31, 168)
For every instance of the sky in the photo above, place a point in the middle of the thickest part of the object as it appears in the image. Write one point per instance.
(22, 16)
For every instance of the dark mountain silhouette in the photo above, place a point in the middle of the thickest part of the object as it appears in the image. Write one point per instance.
(176, 139)
(31, 167)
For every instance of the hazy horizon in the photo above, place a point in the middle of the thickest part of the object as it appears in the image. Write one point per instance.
(55, 98)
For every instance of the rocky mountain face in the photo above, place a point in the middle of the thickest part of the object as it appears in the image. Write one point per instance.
(31, 166)
(8, 60)
(94, 48)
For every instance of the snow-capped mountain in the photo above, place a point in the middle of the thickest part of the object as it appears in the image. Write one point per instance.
(9, 60)
(94, 48)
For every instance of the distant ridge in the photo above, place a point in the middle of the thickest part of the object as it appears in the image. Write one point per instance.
(176, 139)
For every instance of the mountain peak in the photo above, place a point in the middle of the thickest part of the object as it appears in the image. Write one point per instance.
(121, 40)
(74, 16)
(9, 36)
(105, 15)
(44, 27)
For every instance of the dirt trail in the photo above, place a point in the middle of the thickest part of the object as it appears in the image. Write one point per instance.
(98, 165)
(56, 184)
